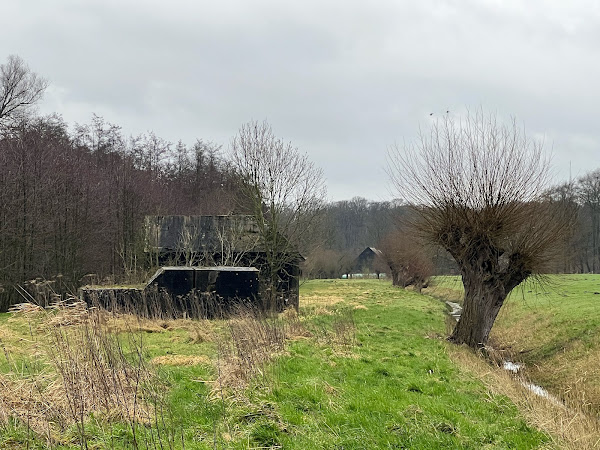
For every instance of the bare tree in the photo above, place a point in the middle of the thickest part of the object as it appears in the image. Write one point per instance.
(327, 263)
(476, 187)
(20, 89)
(284, 191)
(405, 258)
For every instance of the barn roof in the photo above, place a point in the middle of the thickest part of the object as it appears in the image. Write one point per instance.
(375, 250)
(366, 258)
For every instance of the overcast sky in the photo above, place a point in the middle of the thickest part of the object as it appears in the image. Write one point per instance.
(342, 80)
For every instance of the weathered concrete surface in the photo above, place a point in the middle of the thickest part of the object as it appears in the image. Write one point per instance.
(209, 241)
(229, 283)
(173, 292)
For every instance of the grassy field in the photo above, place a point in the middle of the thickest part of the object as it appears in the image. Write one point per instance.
(363, 365)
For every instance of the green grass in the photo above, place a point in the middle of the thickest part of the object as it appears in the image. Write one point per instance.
(555, 331)
(399, 390)
(552, 328)
(374, 373)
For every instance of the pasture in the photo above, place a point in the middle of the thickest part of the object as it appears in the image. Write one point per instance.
(362, 365)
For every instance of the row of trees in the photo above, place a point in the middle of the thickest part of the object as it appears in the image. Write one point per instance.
(582, 254)
(352, 225)
(72, 201)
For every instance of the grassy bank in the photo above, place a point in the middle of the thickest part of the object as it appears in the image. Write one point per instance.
(363, 365)
(553, 329)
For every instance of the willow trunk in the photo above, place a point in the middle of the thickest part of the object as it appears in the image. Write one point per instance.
(482, 302)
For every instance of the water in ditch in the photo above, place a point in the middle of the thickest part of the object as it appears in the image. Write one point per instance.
(515, 368)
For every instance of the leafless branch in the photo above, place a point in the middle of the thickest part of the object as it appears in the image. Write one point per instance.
(20, 89)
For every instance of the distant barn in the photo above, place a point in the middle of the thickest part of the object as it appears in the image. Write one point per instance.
(367, 262)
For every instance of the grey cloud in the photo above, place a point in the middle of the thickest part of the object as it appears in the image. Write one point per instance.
(343, 81)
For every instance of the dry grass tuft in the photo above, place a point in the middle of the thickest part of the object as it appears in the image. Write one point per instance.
(321, 300)
(83, 368)
(25, 308)
(21, 399)
(289, 314)
(573, 372)
(67, 313)
(293, 326)
(322, 311)
(524, 333)
(199, 331)
(129, 323)
(329, 389)
(571, 427)
(251, 343)
(180, 360)
(254, 341)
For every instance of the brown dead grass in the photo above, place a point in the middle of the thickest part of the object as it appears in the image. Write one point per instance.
(48, 403)
(251, 343)
(22, 399)
(80, 369)
(322, 311)
(133, 325)
(26, 308)
(570, 427)
(199, 330)
(294, 327)
(444, 293)
(321, 300)
(66, 313)
(572, 372)
(199, 335)
(575, 374)
(523, 334)
(180, 360)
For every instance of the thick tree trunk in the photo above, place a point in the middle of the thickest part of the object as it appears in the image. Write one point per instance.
(482, 303)
(395, 277)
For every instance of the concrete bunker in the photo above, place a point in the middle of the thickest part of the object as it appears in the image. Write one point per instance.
(228, 283)
(234, 240)
(174, 292)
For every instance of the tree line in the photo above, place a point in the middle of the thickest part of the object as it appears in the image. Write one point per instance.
(581, 254)
(73, 199)
(349, 226)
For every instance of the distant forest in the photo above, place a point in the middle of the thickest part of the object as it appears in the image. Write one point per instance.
(73, 200)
